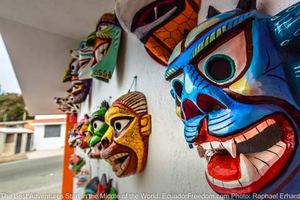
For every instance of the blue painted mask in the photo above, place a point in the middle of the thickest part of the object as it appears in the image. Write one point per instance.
(239, 99)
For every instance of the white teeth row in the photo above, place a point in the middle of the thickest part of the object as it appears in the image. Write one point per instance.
(103, 48)
(101, 51)
(115, 157)
(121, 167)
(230, 145)
(269, 156)
(253, 166)
(255, 131)
(212, 147)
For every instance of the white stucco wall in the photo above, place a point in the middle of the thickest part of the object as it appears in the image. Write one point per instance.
(2, 142)
(23, 142)
(172, 167)
(42, 143)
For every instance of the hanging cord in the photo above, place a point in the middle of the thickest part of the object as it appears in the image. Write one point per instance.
(133, 84)
(114, 8)
(109, 100)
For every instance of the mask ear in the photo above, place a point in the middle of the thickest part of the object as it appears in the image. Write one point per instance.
(212, 11)
(247, 5)
(145, 123)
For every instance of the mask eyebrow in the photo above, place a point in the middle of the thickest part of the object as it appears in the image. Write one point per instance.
(220, 31)
(211, 37)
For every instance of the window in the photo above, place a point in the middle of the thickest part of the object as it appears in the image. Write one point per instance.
(9, 138)
(52, 131)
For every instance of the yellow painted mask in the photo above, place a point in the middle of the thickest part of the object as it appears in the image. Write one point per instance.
(125, 144)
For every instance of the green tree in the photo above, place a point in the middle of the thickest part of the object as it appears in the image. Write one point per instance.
(12, 107)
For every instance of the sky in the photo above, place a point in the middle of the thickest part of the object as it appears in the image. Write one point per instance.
(8, 80)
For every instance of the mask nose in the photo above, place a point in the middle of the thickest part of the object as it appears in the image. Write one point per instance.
(208, 104)
(104, 143)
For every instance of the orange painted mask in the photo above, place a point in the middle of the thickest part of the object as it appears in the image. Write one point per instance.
(159, 24)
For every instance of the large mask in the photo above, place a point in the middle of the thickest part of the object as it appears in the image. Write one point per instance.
(239, 98)
(159, 24)
(125, 144)
(98, 128)
(105, 41)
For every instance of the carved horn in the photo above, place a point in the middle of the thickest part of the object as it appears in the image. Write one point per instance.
(212, 11)
(247, 5)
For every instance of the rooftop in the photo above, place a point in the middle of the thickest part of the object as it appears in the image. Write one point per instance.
(15, 130)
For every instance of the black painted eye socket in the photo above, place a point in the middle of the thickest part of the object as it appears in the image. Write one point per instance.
(157, 12)
(220, 68)
(152, 12)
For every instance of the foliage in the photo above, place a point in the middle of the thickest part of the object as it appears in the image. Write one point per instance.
(12, 107)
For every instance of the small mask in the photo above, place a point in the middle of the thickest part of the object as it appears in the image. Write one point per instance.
(80, 135)
(98, 128)
(158, 24)
(76, 163)
(86, 60)
(125, 144)
(79, 91)
(72, 72)
(65, 106)
(105, 41)
(83, 176)
(239, 98)
(102, 188)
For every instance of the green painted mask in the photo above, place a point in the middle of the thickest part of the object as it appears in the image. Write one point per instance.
(98, 127)
(105, 41)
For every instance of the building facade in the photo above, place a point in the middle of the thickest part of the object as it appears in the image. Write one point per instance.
(49, 132)
(15, 140)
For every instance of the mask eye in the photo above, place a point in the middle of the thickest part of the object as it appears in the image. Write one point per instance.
(228, 62)
(119, 125)
(97, 124)
(82, 45)
(102, 27)
(220, 68)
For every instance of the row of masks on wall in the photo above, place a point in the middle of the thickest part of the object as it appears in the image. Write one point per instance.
(95, 58)
(119, 134)
(238, 100)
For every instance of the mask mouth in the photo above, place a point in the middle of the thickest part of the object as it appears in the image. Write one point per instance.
(119, 162)
(101, 47)
(250, 159)
(86, 62)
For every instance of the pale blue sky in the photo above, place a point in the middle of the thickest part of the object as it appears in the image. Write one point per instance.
(8, 78)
